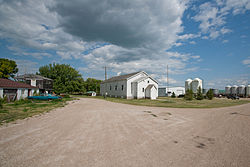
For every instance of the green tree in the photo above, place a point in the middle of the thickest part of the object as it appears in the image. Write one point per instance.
(210, 94)
(92, 84)
(199, 95)
(8, 68)
(189, 95)
(173, 95)
(65, 78)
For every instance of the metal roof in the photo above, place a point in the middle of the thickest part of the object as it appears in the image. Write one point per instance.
(6, 83)
(32, 76)
(121, 77)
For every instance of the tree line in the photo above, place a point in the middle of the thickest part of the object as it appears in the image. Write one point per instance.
(65, 78)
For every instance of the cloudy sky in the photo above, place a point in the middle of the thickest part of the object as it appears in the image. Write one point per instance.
(195, 38)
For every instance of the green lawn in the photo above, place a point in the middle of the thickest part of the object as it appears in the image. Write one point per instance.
(177, 102)
(26, 108)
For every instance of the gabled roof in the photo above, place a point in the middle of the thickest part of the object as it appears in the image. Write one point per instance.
(150, 86)
(121, 77)
(6, 83)
(143, 78)
(32, 76)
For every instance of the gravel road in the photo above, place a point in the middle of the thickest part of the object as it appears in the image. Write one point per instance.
(98, 133)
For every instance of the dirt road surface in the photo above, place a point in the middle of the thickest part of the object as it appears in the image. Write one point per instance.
(98, 133)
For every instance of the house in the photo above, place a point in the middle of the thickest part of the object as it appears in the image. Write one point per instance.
(168, 91)
(44, 84)
(130, 86)
(15, 90)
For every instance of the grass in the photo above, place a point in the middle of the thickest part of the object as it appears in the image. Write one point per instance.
(26, 108)
(177, 102)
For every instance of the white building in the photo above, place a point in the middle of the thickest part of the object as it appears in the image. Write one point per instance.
(168, 91)
(15, 90)
(135, 85)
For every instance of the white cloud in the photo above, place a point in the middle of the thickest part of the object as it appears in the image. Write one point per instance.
(220, 83)
(126, 36)
(212, 15)
(26, 66)
(246, 62)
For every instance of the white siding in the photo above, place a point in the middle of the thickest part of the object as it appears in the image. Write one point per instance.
(139, 75)
(113, 92)
(1, 92)
(132, 87)
(33, 82)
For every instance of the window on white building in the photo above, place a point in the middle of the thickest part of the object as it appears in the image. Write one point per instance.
(110, 87)
(142, 89)
(115, 87)
(122, 87)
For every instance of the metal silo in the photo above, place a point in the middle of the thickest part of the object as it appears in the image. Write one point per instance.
(228, 90)
(196, 83)
(248, 91)
(234, 90)
(242, 90)
(188, 84)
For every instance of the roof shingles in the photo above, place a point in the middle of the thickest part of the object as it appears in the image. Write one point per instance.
(6, 83)
(121, 77)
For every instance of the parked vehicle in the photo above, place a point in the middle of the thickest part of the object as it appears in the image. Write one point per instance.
(233, 97)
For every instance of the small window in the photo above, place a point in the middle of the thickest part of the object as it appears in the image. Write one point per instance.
(142, 89)
(122, 87)
(116, 87)
(110, 87)
(148, 81)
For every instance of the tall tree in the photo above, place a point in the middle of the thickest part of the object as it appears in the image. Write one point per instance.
(92, 84)
(8, 68)
(210, 94)
(199, 95)
(189, 95)
(65, 78)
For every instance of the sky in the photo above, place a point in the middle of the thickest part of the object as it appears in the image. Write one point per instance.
(194, 38)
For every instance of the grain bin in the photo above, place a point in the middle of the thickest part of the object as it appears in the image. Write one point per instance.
(242, 90)
(228, 90)
(248, 91)
(234, 90)
(188, 84)
(196, 83)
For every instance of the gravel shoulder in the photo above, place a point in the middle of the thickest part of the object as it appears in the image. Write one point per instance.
(93, 132)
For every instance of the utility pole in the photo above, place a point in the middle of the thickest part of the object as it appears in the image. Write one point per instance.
(105, 73)
(167, 79)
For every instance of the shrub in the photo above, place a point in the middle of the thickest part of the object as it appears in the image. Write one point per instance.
(199, 94)
(1, 102)
(66, 96)
(173, 95)
(36, 93)
(210, 94)
(22, 101)
(189, 95)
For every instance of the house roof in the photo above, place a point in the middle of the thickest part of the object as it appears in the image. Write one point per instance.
(6, 83)
(121, 77)
(32, 76)
(143, 78)
(150, 86)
